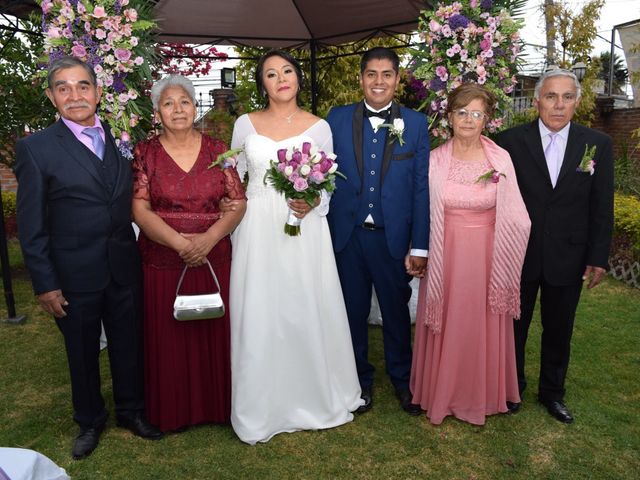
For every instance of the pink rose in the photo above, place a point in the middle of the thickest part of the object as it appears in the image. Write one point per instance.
(99, 12)
(100, 34)
(131, 14)
(485, 44)
(122, 54)
(316, 177)
(300, 184)
(54, 32)
(78, 51)
(434, 26)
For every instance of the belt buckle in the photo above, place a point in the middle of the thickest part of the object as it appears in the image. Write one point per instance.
(369, 226)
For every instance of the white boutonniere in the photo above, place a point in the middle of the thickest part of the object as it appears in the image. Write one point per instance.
(588, 164)
(395, 130)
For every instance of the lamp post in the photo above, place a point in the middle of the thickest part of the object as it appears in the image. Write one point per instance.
(579, 69)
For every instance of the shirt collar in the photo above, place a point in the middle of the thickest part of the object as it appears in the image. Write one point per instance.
(544, 131)
(379, 109)
(77, 129)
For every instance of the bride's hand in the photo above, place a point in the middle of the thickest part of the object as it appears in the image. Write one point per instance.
(300, 207)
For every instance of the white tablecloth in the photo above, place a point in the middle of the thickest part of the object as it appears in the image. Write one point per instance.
(23, 464)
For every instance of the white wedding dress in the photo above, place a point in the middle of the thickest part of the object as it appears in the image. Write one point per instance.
(292, 360)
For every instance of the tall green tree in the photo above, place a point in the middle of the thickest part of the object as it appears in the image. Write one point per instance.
(575, 31)
(620, 73)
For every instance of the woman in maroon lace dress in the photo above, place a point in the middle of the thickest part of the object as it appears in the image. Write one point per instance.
(187, 364)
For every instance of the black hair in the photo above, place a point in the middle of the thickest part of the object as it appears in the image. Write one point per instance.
(380, 53)
(260, 67)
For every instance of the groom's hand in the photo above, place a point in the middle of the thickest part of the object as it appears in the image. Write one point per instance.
(416, 266)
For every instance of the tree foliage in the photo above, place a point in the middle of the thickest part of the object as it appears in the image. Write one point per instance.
(620, 73)
(22, 100)
(575, 30)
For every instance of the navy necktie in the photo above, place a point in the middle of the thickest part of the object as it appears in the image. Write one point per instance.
(96, 140)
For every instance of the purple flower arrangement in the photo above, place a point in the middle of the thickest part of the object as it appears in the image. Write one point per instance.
(466, 41)
(105, 36)
(302, 173)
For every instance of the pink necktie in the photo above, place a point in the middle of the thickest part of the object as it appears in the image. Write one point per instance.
(552, 154)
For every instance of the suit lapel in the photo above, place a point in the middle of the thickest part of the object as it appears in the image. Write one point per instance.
(534, 145)
(573, 152)
(77, 151)
(388, 143)
(358, 117)
(120, 160)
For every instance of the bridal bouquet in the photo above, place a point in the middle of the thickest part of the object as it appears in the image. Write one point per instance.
(302, 173)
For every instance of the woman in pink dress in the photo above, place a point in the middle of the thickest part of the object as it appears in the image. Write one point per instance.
(176, 195)
(464, 354)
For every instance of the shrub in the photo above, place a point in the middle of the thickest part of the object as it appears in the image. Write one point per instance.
(9, 204)
(626, 226)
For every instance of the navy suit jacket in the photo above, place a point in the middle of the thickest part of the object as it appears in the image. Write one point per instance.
(571, 224)
(405, 190)
(75, 232)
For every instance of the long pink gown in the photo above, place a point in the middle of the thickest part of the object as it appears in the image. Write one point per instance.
(468, 370)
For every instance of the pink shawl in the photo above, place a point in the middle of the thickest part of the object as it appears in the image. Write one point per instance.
(510, 241)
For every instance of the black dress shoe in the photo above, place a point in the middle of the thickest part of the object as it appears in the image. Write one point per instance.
(138, 425)
(86, 442)
(367, 396)
(513, 407)
(558, 410)
(405, 397)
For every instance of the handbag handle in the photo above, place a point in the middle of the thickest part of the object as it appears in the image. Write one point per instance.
(184, 270)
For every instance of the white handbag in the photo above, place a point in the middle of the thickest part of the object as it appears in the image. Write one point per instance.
(198, 307)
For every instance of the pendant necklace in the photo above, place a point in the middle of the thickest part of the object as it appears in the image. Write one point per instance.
(288, 118)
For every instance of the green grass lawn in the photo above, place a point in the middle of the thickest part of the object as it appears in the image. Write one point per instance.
(603, 393)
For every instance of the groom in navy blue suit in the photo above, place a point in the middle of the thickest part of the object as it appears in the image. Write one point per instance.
(379, 216)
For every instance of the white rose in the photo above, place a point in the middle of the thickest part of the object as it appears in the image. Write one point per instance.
(304, 170)
(333, 168)
(398, 125)
(288, 155)
(288, 170)
(331, 156)
(313, 150)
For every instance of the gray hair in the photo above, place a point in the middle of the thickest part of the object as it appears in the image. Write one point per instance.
(556, 72)
(172, 81)
(68, 61)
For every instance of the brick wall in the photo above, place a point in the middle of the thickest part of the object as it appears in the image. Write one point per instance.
(619, 125)
(7, 179)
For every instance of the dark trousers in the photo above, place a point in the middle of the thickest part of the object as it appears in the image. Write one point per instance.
(557, 312)
(119, 309)
(363, 263)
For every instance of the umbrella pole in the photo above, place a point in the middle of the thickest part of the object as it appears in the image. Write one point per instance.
(6, 274)
(314, 77)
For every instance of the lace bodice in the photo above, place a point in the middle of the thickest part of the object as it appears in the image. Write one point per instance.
(462, 189)
(186, 201)
(260, 150)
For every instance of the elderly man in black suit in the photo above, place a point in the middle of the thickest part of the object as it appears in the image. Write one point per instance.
(74, 218)
(565, 174)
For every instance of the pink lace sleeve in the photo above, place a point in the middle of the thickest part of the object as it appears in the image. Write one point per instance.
(140, 178)
(233, 185)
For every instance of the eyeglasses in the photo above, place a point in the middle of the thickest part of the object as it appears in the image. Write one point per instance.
(476, 115)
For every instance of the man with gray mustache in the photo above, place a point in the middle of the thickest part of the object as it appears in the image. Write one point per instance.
(74, 219)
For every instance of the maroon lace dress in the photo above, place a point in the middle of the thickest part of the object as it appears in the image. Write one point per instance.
(187, 364)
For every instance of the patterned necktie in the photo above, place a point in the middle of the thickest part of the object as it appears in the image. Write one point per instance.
(552, 154)
(96, 140)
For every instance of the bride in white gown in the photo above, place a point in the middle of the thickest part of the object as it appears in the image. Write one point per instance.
(291, 356)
